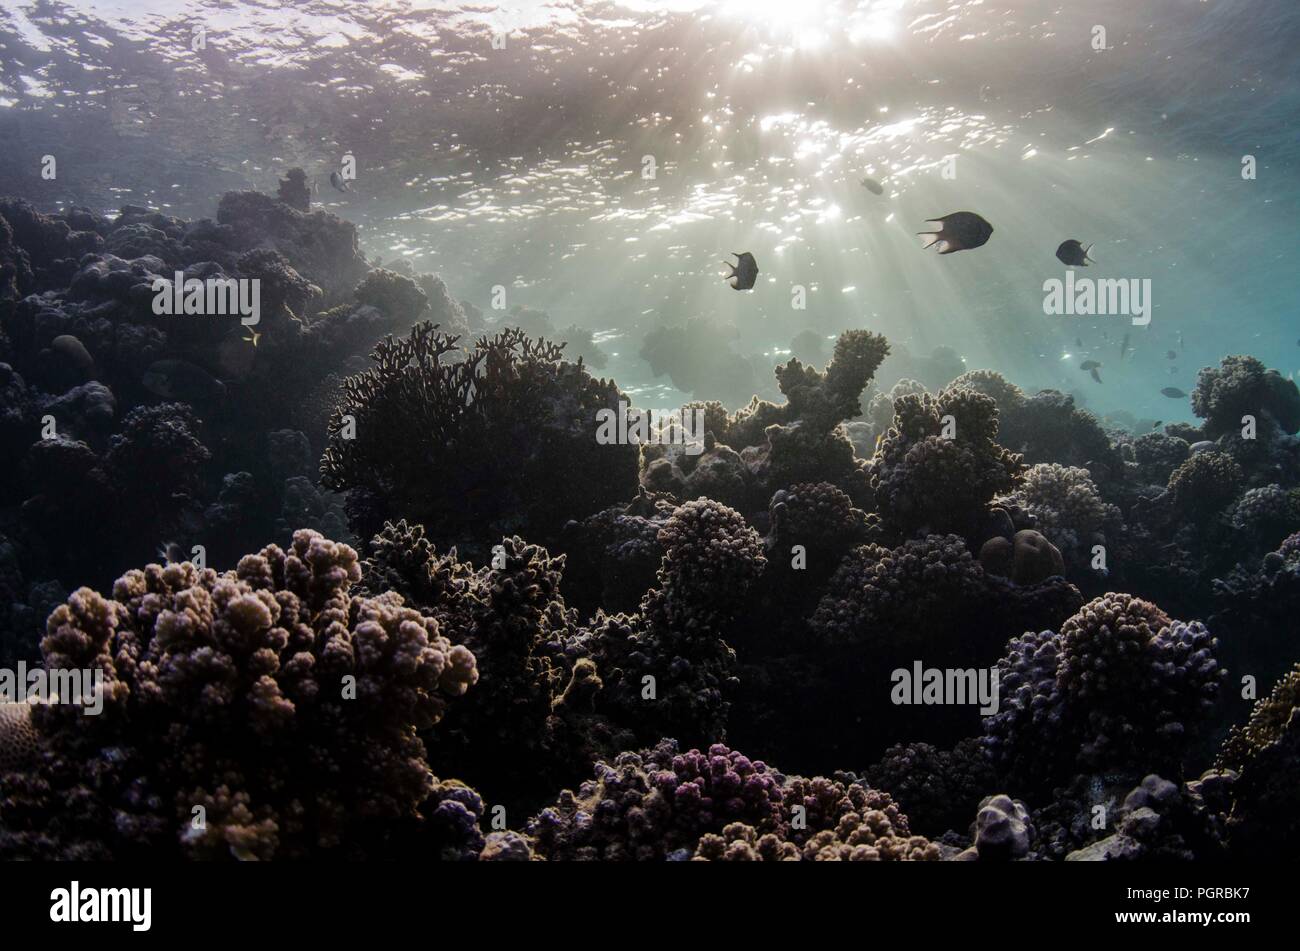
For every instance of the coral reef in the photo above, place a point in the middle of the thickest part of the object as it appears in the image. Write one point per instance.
(940, 463)
(496, 443)
(201, 668)
(1120, 687)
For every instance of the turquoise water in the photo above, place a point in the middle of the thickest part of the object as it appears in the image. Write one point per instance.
(523, 166)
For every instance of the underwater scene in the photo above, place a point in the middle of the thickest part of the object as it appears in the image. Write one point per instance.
(649, 430)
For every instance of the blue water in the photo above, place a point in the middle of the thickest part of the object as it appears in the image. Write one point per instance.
(523, 167)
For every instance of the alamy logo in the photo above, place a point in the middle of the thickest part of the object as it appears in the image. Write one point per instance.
(84, 688)
(77, 904)
(626, 426)
(214, 297)
(1098, 297)
(926, 686)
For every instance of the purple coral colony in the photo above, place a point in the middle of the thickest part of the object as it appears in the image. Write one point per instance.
(361, 582)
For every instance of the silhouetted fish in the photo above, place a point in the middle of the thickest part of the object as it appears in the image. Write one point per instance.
(960, 231)
(1089, 365)
(338, 182)
(873, 186)
(1095, 375)
(1073, 253)
(1156, 424)
(1123, 347)
(1174, 393)
(1078, 342)
(181, 380)
(1171, 355)
(744, 272)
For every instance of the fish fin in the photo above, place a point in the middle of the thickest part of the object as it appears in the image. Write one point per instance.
(934, 235)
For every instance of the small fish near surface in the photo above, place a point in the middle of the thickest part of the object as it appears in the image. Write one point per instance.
(1095, 375)
(1171, 355)
(339, 182)
(182, 380)
(1123, 347)
(1174, 393)
(960, 231)
(744, 272)
(1089, 365)
(873, 186)
(1074, 254)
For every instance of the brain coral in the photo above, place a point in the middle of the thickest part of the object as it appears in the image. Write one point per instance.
(1066, 506)
(269, 696)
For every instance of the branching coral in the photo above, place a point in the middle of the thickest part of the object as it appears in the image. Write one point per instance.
(1241, 386)
(1157, 455)
(940, 463)
(660, 804)
(1205, 484)
(1121, 684)
(1066, 507)
(499, 442)
(202, 669)
(669, 669)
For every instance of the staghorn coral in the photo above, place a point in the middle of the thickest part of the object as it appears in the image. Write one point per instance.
(500, 442)
(939, 464)
(200, 669)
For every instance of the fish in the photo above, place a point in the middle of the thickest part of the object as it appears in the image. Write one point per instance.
(338, 182)
(183, 381)
(1171, 355)
(873, 186)
(1095, 375)
(74, 351)
(1089, 365)
(1174, 393)
(1074, 254)
(960, 231)
(1156, 424)
(744, 272)
(1078, 342)
(1123, 347)
(1183, 346)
